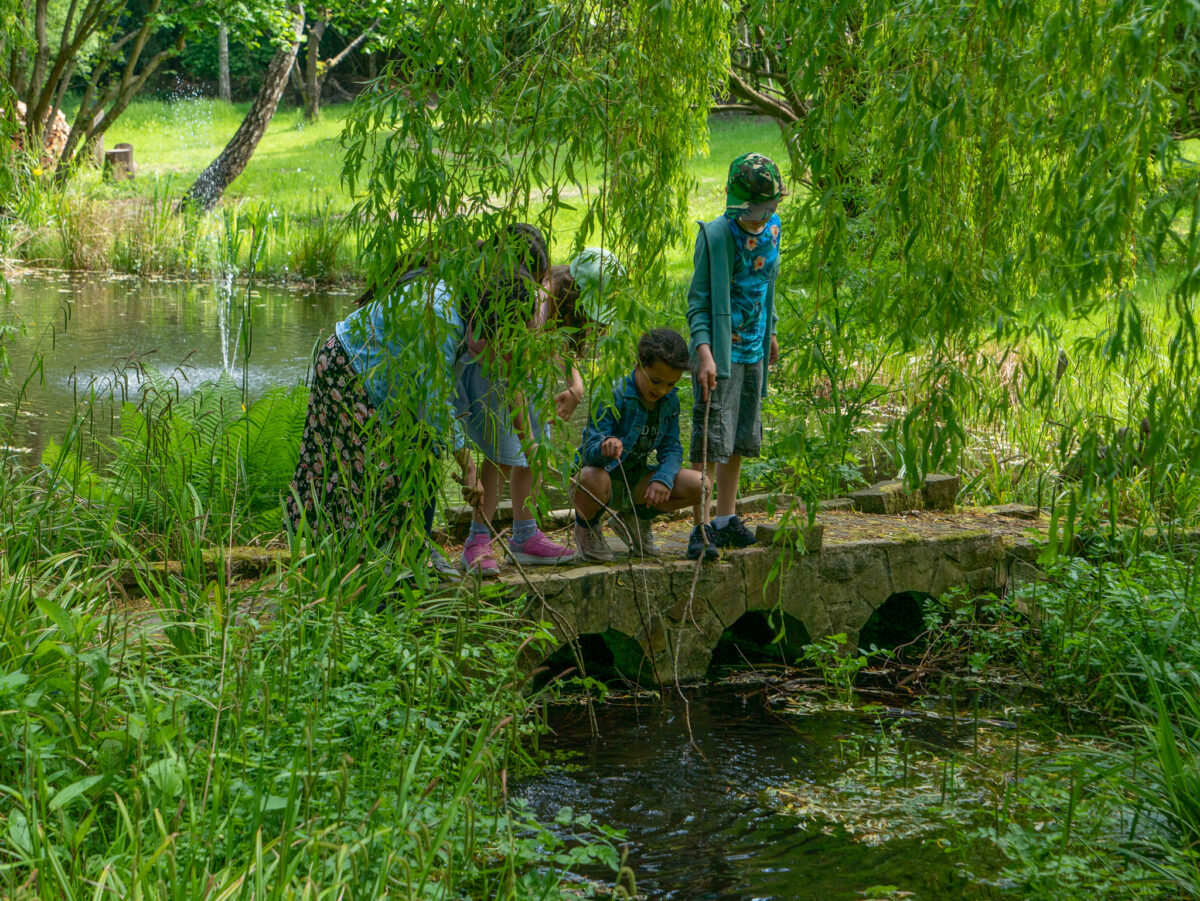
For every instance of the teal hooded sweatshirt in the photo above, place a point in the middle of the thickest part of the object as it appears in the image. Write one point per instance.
(708, 314)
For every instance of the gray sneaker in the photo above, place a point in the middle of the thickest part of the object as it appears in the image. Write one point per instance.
(443, 567)
(591, 543)
(635, 533)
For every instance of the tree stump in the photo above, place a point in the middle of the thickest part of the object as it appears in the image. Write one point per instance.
(118, 162)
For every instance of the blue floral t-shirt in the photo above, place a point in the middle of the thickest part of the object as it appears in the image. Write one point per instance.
(755, 259)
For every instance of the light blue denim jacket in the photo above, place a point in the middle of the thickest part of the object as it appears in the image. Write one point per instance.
(405, 346)
(624, 420)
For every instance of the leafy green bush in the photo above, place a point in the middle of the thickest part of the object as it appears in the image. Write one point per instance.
(1160, 770)
(202, 752)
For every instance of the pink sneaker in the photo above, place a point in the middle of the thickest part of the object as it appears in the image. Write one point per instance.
(539, 550)
(478, 556)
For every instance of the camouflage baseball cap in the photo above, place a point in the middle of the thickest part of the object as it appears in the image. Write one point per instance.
(754, 187)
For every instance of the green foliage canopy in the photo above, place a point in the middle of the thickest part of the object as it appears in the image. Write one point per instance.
(982, 172)
(505, 110)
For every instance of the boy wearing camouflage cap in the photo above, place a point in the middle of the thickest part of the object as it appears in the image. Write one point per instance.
(731, 318)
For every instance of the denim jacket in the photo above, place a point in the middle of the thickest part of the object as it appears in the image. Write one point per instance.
(624, 420)
(406, 348)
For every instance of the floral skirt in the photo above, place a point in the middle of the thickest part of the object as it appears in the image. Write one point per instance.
(348, 475)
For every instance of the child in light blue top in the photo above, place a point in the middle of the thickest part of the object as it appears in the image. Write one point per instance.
(405, 344)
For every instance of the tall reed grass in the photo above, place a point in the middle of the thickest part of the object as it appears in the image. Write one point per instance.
(91, 226)
(338, 726)
(334, 728)
(1107, 649)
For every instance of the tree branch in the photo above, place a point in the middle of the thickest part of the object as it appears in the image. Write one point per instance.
(89, 22)
(122, 41)
(129, 90)
(797, 103)
(298, 82)
(767, 105)
(733, 108)
(349, 48)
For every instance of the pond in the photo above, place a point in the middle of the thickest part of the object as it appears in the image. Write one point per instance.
(86, 337)
(738, 792)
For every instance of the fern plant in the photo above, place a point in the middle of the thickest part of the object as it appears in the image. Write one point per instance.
(207, 455)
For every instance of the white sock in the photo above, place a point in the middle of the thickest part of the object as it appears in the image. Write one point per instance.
(721, 522)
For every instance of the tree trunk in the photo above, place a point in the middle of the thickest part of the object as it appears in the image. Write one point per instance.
(204, 194)
(312, 68)
(33, 123)
(298, 85)
(223, 63)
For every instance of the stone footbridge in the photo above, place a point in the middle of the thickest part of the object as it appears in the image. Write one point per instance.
(832, 577)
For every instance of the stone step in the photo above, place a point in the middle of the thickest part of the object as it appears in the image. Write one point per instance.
(794, 533)
(938, 492)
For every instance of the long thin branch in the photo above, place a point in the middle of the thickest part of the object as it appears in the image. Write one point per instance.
(86, 113)
(62, 44)
(128, 92)
(122, 41)
(140, 43)
(753, 70)
(734, 108)
(64, 83)
(349, 48)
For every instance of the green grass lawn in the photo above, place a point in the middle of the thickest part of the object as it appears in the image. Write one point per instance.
(296, 167)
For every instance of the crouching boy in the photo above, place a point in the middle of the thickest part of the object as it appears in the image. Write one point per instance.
(631, 456)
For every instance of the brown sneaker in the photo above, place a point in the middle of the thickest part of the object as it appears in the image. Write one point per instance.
(635, 533)
(591, 543)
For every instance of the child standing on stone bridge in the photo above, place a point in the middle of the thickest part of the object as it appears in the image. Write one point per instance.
(731, 318)
(631, 457)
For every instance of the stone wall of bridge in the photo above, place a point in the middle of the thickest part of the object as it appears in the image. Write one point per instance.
(831, 577)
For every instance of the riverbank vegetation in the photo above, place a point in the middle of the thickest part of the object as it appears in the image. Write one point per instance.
(1072, 747)
(991, 265)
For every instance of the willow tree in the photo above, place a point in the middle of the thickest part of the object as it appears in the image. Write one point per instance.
(981, 172)
(577, 116)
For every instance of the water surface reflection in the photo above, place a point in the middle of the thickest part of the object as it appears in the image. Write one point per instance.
(688, 782)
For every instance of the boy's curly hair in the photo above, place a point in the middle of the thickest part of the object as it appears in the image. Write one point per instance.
(663, 345)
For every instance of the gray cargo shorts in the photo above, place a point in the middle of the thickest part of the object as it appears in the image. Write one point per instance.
(734, 416)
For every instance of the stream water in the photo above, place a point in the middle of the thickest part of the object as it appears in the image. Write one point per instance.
(82, 337)
(732, 795)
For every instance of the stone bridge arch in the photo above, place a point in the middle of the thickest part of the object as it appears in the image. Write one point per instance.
(851, 564)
